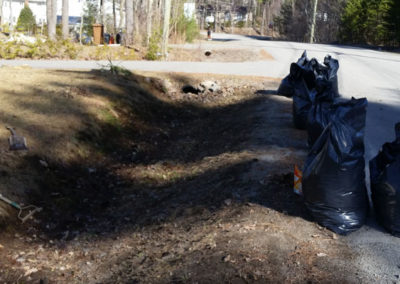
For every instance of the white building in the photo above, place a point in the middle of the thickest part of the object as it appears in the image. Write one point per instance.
(38, 8)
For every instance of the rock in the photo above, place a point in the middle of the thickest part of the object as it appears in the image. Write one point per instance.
(226, 258)
(43, 163)
(321, 254)
(228, 202)
(209, 86)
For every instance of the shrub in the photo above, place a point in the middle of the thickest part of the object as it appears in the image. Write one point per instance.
(240, 24)
(192, 30)
(154, 47)
(26, 20)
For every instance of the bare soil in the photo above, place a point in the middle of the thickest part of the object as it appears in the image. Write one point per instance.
(143, 183)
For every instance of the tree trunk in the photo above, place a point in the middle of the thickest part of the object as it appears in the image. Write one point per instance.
(114, 18)
(1, 12)
(51, 13)
(103, 14)
(313, 21)
(264, 19)
(129, 22)
(231, 19)
(65, 18)
(121, 14)
(81, 29)
(216, 18)
(11, 19)
(167, 14)
(136, 17)
(149, 20)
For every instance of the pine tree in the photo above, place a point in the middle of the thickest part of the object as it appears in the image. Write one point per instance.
(26, 19)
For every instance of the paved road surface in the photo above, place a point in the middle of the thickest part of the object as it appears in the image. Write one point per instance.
(363, 73)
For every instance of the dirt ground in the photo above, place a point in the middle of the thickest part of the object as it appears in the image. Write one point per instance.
(142, 183)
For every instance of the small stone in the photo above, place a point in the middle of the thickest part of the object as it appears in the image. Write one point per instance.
(321, 254)
(226, 258)
(228, 202)
(1, 246)
(43, 163)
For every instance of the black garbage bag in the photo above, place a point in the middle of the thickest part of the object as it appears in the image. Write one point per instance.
(333, 177)
(286, 88)
(320, 111)
(331, 74)
(309, 70)
(302, 102)
(385, 184)
(288, 84)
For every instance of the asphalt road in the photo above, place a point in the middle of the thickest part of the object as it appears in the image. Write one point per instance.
(363, 73)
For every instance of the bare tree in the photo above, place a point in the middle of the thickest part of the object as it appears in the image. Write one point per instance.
(264, 18)
(149, 20)
(121, 14)
(129, 22)
(313, 21)
(103, 15)
(11, 19)
(136, 17)
(65, 19)
(51, 13)
(1, 12)
(167, 14)
(114, 18)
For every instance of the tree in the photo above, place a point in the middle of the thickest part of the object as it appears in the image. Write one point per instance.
(314, 17)
(121, 14)
(51, 13)
(103, 18)
(65, 19)
(114, 18)
(1, 12)
(167, 14)
(90, 14)
(149, 20)
(392, 22)
(372, 22)
(26, 19)
(129, 22)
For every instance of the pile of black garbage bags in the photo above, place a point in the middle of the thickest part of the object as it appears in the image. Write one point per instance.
(333, 184)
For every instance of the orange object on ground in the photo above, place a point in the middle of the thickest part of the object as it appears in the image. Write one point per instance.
(298, 176)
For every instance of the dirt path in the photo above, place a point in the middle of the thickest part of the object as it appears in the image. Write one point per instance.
(175, 187)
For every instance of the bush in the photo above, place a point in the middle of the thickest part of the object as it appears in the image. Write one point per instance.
(26, 20)
(154, 47)
(191, 30)
(240, 24)
(187, 28)
(39, 49)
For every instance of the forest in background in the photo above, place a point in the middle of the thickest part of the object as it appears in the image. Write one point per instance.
(373, 22)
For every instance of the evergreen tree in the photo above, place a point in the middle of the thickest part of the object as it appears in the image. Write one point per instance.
(392, 22)
(26, 19)
(371, 21)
